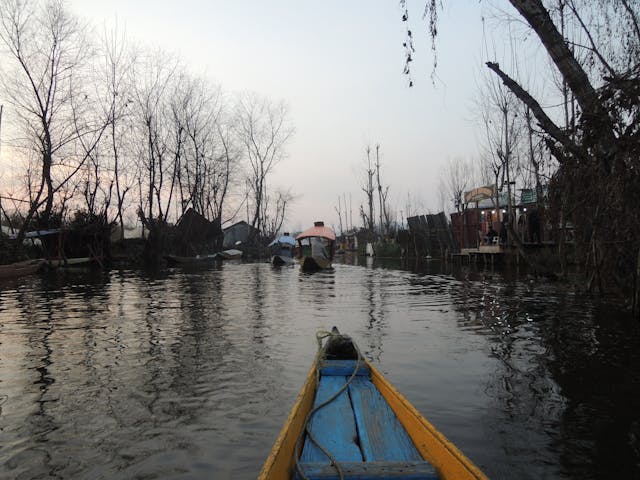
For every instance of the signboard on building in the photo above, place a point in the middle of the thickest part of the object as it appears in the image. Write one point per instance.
(528, 195)
(480, 193)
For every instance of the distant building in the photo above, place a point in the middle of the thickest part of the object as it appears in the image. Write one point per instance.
(194, 234)
(480, 215)
(238, 232)
(532, 213)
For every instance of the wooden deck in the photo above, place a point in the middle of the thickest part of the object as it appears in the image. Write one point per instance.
(495, 253)
(487, 254)
(360, 431)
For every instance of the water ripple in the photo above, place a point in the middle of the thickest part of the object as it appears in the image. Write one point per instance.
(181, 374)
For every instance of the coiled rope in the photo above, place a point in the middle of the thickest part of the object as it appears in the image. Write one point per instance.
(320, 336)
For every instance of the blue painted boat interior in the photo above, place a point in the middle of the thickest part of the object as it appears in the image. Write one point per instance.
(359, 430)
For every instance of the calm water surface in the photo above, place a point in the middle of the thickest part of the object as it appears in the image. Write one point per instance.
(191, 374)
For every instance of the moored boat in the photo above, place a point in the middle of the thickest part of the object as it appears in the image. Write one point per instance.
(281, 260)
(316, 247)
(207, 259)
(349, 422)
(72, 262)
(282, 250)
(20, 269)
(176, 260)
(230, 254)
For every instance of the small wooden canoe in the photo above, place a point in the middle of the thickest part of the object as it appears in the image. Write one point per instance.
(281, 260)
(20, 269)
(230, 254)
(347, 409)
(314, 263)
(176, 261)
(71, 262)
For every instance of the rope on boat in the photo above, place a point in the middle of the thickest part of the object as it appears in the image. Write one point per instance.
(320, 336)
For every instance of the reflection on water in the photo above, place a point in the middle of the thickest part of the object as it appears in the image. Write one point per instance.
(191, 373)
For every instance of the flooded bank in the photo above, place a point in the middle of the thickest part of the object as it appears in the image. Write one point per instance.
(191, 373)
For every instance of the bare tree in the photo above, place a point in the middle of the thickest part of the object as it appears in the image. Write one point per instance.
(414, 205)
(43, 79)
(367, 187)
(264, 130)
(538, 170)
(228, 162)
(199, 109)
(456, 176)
(159, 140)
(116, 63)
(499, 113)
(276, 207)
(383, 193)
(442, 196)
(212, 154)
(339, 212)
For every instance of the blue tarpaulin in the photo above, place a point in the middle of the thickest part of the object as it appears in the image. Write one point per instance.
(36, 233)
(284, 239)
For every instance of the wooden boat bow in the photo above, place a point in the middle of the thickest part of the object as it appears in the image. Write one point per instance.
(349, 422)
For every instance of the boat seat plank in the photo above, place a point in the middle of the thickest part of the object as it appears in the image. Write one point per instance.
(382, 436)
(343, 368)
(333, 426)
(370, 471)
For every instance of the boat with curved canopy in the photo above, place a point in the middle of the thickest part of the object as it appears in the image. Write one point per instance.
(317, 247)
(282, 250)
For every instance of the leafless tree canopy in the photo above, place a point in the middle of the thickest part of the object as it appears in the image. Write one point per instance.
(263, 127)
(44, 81)
(456, 178)
(125, 133)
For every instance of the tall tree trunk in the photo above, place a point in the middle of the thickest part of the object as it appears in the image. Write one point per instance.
(540, 21)
(46, 175)
(380, 202)
(116, 174)
(572, 72)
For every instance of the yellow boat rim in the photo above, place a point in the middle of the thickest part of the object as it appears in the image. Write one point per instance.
(353, 382)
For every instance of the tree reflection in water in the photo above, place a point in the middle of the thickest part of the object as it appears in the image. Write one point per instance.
(181, 373)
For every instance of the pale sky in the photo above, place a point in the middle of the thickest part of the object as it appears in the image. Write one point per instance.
(338, 65)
